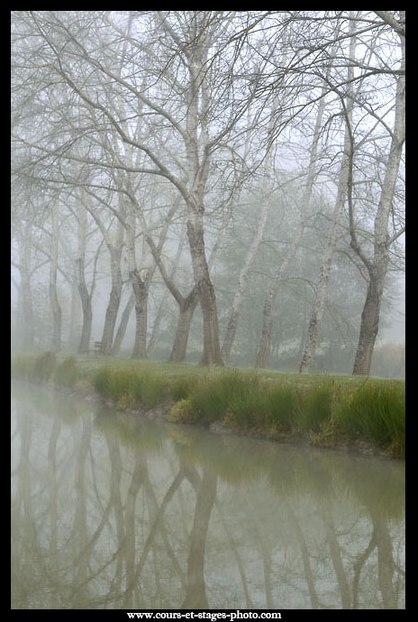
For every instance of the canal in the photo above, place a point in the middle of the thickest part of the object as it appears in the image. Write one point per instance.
(114, 511)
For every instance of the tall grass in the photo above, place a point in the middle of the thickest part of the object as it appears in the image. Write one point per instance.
(376, 413)
(328, 411)
(215, 396)
(129, 387)
(316, 406)
(280, 406)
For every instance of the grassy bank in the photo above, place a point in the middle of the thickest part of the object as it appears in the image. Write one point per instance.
(324, 410)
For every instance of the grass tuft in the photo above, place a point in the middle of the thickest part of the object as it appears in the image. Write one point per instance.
(316, 406)
(129, 387)
(281, 406)
(375, 412)
(220, 394)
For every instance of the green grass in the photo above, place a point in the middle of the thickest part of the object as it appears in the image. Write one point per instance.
(316, 406)
(375, 413)
(38, 368)
(67, 372)
(328, 410)
(129, 387)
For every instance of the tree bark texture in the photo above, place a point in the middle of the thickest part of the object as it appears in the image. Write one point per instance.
(369, 325)
(140, 289)
(186, 311)
(114, 302)
(123, 324)
(86, 306)
(211, 345)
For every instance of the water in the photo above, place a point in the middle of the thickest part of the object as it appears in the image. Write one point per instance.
(109, 511)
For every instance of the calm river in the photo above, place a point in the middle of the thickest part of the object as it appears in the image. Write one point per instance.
(110, 511)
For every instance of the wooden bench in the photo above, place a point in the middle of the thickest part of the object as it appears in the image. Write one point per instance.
(97, 347)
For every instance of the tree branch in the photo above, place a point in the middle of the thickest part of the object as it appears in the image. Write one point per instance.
(389, 19)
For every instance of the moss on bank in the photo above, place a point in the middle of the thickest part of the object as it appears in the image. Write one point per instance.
(324, 410)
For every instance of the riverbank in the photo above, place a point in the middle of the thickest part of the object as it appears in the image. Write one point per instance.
(353, 413)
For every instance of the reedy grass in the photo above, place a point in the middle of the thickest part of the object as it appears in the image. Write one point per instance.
(129, 387)
(376, 413)
(315, 406)
(328, 410)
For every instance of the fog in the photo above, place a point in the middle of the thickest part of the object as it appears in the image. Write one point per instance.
(212, 187)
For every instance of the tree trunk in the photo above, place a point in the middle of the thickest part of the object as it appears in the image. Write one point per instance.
(25, 293)
(27, 313)
(75, 311)
(111, 314)
(263, 354)
(53, 294)
(155, 331)
(264, 351)
(123, 324)
(168, 279)
(378, 265)
(186, 311)
(325, 269)
(369, 325)
(141, 313)
(231, 330)
(243, 280)
(85, 298)
(113, 304)
(321, 289)
(211, 346)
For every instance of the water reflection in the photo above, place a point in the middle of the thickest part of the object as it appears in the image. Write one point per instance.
(109, 511)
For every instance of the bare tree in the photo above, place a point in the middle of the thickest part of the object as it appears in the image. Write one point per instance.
(321, 289)
(377, 262)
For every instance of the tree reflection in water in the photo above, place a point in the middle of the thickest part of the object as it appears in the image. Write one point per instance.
(109, 511)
